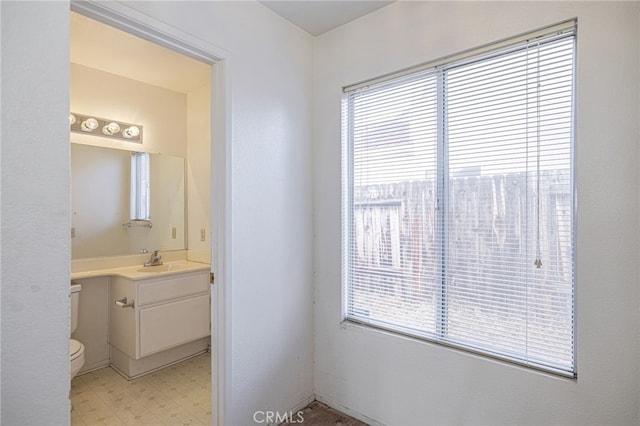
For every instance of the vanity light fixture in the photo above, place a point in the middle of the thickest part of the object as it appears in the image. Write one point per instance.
(89, 125)
(131, 132)
(113, 129)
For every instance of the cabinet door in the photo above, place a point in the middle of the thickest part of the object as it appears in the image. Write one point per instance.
(172, 324)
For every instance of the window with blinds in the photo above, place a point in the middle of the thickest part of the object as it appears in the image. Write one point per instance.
(458, 201)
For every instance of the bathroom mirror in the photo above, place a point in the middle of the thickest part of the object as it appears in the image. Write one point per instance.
(100, 204)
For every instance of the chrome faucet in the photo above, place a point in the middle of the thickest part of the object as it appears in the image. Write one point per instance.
(154, 260)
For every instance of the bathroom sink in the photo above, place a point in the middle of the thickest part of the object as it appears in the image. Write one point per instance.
(169, 268)
(162, 268)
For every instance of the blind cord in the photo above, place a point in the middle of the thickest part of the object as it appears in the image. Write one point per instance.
(538, 261)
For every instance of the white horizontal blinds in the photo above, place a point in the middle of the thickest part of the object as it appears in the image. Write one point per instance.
(391, 246)
(509, 121)
(458, 184)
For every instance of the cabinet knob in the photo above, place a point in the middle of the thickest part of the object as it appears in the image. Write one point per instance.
(123, 303)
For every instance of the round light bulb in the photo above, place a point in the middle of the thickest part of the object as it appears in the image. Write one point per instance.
(111, 129)
(131, 132)
(72, 119)
(89, 125)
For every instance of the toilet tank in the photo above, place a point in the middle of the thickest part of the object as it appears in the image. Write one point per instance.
(75, 297)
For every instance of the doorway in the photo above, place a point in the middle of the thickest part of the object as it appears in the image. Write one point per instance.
(204, 243)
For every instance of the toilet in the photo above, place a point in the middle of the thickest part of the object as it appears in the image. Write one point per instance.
(76, 348)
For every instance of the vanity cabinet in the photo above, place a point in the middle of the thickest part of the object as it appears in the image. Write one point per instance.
(167, 311)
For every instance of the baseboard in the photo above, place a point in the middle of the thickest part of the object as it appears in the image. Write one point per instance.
(346, 410)
(292, 414)
(306, 401)
(93, 367)
(122, 364)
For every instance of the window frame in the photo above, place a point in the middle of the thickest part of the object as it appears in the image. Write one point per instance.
(348, 206)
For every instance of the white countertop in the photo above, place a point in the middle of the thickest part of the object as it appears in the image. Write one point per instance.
(139, 272)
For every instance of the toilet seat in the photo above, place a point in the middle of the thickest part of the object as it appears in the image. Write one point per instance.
(76, 349)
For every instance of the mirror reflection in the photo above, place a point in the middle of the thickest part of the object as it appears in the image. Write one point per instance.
(101, 199)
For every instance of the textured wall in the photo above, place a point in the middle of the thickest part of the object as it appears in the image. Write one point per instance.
(400, 381)
(35, 219)
(270, 311)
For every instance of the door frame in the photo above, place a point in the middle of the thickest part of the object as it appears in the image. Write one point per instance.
(133, 22)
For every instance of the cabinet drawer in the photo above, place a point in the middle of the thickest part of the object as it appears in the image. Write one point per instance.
(172, 287)
(171, 324)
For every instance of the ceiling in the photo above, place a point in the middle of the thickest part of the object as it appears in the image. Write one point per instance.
(108, 49)
(319, 16)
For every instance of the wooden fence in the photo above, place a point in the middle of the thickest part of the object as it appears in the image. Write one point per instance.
(493, 232)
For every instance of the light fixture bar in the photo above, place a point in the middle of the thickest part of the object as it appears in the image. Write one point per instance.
(104, 127)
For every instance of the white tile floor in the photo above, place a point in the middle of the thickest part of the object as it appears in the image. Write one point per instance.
(177, 395)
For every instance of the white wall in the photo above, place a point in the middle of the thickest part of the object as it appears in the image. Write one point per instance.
(272, 308)
(93, 322)
(400, 381)
(199, 173)
(161, 112)
(35, 220)
(271, 355)
(0, 222)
